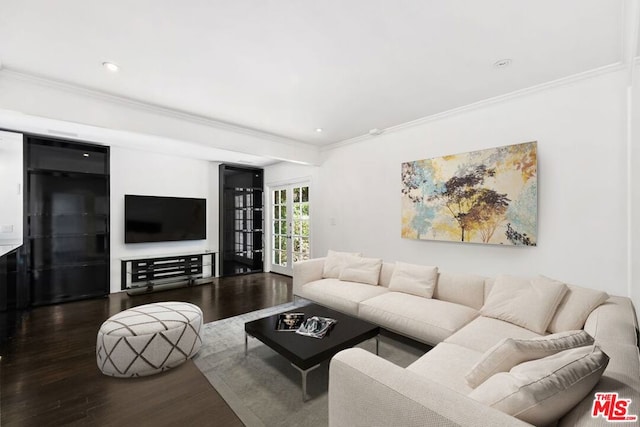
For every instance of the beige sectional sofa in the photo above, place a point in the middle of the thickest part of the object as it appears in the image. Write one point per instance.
(459, 319)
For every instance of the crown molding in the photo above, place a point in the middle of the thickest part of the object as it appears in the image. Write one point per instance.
(485, 103)
(145, 106)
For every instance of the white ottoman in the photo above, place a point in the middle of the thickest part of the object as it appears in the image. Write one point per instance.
(148, 339)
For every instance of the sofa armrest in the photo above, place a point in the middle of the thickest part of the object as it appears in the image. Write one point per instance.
(305, 272)
(366, 390)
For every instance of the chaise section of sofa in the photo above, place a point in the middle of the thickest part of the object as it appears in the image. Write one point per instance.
(422, 319)
(443, 370)
(367, 390)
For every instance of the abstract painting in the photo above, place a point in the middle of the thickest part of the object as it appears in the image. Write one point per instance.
(488, 196)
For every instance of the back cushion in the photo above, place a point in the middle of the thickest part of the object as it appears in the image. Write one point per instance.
(419, 280)
(530, 303)
(385, 273)
(335, 262)
(575, 307)
(465, 289)
(362, 270)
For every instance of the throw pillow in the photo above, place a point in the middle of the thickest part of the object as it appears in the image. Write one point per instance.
(362, 270)
(414, 279)
(335, 262)
(510, 352)
(542, 391)
(530, 303)
(575, 307)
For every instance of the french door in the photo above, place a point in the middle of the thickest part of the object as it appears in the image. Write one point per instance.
(290, 215)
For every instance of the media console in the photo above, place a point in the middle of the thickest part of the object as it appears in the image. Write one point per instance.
(151, 273)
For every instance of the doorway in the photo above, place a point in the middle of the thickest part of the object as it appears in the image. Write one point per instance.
(241, 220)
(290, 219)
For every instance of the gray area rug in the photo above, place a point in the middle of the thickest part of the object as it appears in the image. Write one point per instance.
(263, 389)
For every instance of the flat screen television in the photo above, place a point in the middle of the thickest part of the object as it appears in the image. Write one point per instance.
(164, 219)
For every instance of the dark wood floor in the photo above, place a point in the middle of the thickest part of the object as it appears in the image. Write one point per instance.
(49, 374)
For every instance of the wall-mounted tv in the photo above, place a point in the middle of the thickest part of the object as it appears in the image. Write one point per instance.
(164, 219)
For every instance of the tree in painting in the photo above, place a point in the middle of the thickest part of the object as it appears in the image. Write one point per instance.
(487, 196)
(473, 206)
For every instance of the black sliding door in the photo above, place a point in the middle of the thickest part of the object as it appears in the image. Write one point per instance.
(67, 220)
(241, 220)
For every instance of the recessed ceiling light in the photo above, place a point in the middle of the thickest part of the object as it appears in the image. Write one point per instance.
(502, 63)
(86, 154)
(110, 66)
(319, 130)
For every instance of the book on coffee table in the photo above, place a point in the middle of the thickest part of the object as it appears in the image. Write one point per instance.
(316, 326)
(289, 322)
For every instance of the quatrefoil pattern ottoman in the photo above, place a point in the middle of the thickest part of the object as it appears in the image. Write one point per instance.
(148, 339)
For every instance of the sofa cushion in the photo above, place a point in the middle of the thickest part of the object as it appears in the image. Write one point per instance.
(340, 295)
(423, 319)
(419, 280)
(510, 352)
(362, 270)
(530, 303)
(465, 289)
(575, 307)
(385, 273)
(541, 391)
(445, 364)
(484, 332)
(335, 262)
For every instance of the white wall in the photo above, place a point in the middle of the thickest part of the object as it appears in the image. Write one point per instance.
(147, 173)
(582, 211)
(11, 191)
(635, 188)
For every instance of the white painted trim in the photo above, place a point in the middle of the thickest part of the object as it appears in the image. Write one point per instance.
(630, 16)
(631, 19)
(289, 181)
(629, 195)
(145, 106)
(484, 103)
(269, 189)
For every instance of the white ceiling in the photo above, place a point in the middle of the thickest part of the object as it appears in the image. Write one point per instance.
(287, 67)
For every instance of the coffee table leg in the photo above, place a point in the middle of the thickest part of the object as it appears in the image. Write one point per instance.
(377, 345)
(304, 373)
(246, 344)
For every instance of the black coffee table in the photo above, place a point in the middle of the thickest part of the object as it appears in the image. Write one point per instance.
(306, 353)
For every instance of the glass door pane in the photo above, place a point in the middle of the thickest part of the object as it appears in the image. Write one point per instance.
(290, 217)
(279, 245)
(300, 232)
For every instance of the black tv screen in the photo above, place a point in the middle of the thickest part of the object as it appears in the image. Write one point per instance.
(164, 219)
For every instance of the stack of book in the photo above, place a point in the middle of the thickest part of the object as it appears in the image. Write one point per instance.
(314, 326)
